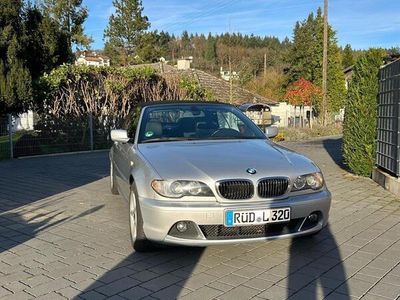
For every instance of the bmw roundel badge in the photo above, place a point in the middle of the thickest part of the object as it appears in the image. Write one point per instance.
(251, 171)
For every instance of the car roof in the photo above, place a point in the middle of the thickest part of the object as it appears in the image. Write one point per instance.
(153, 103)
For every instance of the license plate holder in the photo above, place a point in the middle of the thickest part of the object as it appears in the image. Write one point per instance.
(247, 217)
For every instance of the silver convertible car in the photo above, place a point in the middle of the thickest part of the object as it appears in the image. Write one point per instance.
(202, 173)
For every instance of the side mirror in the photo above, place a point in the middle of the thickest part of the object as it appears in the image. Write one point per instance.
(119, 135)
(271, 131)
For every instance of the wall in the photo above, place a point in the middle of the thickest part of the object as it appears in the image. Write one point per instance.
(286, 112)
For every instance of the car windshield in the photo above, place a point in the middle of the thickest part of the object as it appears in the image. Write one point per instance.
(180, 122)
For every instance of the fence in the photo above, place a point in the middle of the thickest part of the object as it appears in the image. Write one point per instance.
(28, 135)
(388, 139)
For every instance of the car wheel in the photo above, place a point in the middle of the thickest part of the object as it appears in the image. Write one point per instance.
(139, 241)
(113, 186)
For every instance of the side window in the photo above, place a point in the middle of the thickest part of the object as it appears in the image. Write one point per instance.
(134, 122)
(228, 120)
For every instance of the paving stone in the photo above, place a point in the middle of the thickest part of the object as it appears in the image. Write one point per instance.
(240, 292)
(136, 292)
(89, 256)
(48, 287)
(117, 286)
(171, 292)
(196, 281)
(161, 282)
(354, 287)
(276, 292)
(386, 290)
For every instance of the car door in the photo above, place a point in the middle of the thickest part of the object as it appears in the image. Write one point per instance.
(123, 166)
(125, 157)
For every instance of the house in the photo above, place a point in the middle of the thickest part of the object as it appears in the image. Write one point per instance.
(227, 76)
(220, 89)
(348, 73)
(92, 58)
(184, 63)
(287, 115)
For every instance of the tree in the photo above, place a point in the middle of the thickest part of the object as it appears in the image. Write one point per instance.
(149, 48)
(46, 45)
(305, 59)
(125, 31)
(211, 49)
(347, 56)
(15, 78)
(70, 15)
(359, 130)
(303, 93)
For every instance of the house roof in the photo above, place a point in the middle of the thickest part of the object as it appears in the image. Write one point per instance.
(219, 88)
(91, 55)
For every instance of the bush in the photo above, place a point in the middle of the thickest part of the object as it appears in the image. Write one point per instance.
(359, 129)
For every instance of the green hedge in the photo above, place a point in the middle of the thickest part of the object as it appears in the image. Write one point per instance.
(359, 130)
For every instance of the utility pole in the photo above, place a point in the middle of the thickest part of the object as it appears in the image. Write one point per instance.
(230, 80)
(325, 66)
(265, 65)
(230, 65)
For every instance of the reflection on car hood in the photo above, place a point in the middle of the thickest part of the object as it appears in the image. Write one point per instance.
(224, 159)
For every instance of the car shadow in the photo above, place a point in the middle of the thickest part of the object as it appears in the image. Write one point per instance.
(315, 268)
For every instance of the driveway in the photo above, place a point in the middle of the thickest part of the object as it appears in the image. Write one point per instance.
(63, 235)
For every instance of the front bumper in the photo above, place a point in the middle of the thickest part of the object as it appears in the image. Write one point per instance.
(159, 216)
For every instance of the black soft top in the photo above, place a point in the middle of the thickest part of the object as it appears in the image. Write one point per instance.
(151, 103)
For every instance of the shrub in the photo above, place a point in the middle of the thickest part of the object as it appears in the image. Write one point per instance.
(359, 129)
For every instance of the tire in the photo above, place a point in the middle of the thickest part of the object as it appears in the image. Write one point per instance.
(139, 241)
(113, 185)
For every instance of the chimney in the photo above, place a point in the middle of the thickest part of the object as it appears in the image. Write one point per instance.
(184, 63)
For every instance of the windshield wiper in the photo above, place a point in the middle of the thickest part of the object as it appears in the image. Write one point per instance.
(234, 138)
(168, 139)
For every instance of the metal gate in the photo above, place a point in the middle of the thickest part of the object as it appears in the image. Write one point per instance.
(388, 138)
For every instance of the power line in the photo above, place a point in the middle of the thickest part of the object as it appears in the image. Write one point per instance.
(220, 5)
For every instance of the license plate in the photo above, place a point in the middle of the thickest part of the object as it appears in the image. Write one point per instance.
(256, 217)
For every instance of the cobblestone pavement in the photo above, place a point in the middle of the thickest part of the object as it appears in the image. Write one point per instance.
(63, 235)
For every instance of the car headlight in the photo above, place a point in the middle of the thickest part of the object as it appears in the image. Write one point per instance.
(314, 181)
(180, 188)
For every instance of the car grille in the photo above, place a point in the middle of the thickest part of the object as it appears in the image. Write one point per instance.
(272, 187)
(220, 232)
(236, 189)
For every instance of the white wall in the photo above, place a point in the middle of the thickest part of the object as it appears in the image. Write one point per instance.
(23, 121)
(286, 111)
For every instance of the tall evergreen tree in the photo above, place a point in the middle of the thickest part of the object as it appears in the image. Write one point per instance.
(305, 59)
(211, 49)
(359, 130)
(46, 45)
(125, 31)
(70, 15)
(15, 78)
(347, 56)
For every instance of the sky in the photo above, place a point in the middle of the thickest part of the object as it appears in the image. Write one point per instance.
(361, 23)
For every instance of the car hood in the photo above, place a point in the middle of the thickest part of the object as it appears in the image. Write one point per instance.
(222, 159)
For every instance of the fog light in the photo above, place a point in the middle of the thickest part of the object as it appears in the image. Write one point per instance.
(313, 217)
(181, 226)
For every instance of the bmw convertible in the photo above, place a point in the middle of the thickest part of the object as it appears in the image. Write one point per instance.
(202, 173)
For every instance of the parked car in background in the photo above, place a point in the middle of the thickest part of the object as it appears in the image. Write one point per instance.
(202, 173)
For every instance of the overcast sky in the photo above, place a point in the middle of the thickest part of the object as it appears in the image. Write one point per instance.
(361, 23)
